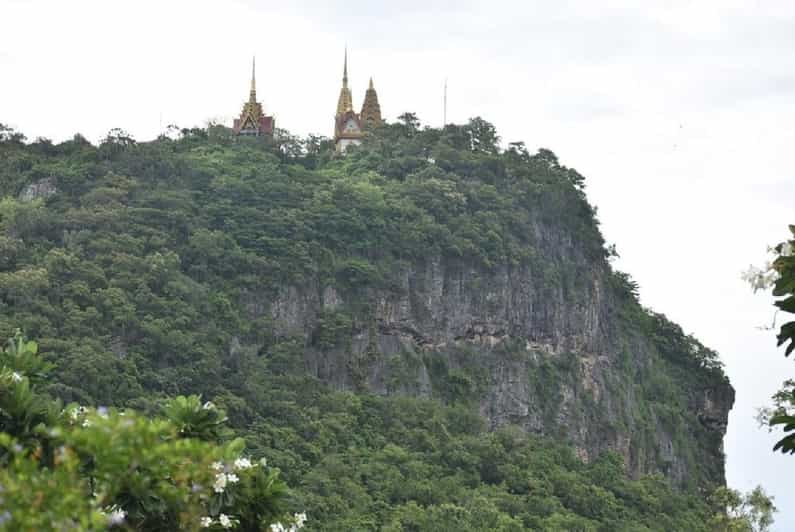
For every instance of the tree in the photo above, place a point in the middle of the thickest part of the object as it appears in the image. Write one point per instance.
(409, 121)
(8, 134)
(119, 137)
(83, 468)
(482, 136)
(779, 273)
(547, 156)
(115, 142)
(290, 147)
(518, 150)
(752, 512)
(44, 146)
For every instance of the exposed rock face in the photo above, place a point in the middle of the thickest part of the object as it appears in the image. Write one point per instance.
(43, 188)
(546, 353)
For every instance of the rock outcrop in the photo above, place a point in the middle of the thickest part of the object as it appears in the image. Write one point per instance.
(544, 348)
(41, 189)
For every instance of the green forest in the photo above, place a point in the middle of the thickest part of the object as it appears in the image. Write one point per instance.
(136, 377)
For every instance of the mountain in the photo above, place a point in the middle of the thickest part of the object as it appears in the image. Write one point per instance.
(427, 330)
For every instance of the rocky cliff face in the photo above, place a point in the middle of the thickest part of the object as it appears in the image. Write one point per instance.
(543, 346)
(41, 189)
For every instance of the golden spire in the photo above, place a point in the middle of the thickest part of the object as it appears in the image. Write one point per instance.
(371, 110)
(253, 93)
(345, 69)
(345, 101)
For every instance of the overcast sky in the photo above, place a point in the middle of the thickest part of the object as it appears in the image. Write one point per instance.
(679, 114)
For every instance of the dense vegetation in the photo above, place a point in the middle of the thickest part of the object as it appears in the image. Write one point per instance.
(79, 468)
(133, 275)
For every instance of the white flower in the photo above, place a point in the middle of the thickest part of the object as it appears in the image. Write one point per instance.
(206, 522)
(759, 279)
(208, 406)
(218, 466)
(86, 423)
(16, 377)
(786, 249)
(300, 519)
(224, 520)
(263, 462)
(117, 516)
(242, 463)
(751, 274)
(220, 483)
(232, 478)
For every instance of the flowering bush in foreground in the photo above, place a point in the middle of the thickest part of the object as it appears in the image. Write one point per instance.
(779, 274)
(81, 468)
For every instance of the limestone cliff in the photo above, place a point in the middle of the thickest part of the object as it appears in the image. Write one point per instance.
(561, 356)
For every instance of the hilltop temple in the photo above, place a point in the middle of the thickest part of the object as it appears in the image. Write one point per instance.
(349, 126)
(253, 122)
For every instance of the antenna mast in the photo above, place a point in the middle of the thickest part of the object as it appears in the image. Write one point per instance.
(444, 123)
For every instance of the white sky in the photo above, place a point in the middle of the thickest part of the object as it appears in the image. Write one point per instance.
(679, 114)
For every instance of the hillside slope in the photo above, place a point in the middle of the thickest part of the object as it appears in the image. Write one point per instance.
(426, 264)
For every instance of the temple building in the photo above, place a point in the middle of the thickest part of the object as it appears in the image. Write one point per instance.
(253, 122)
(349, 126)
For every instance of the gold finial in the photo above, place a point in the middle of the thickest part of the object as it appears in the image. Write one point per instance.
(345, 101)
(253, 93)
(345, 69)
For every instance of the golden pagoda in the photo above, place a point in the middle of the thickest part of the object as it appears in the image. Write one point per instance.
(371, 110)
(253, 121)
(347, 125)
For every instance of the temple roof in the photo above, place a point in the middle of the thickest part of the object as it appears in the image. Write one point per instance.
(252, 117)
(341, 120)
